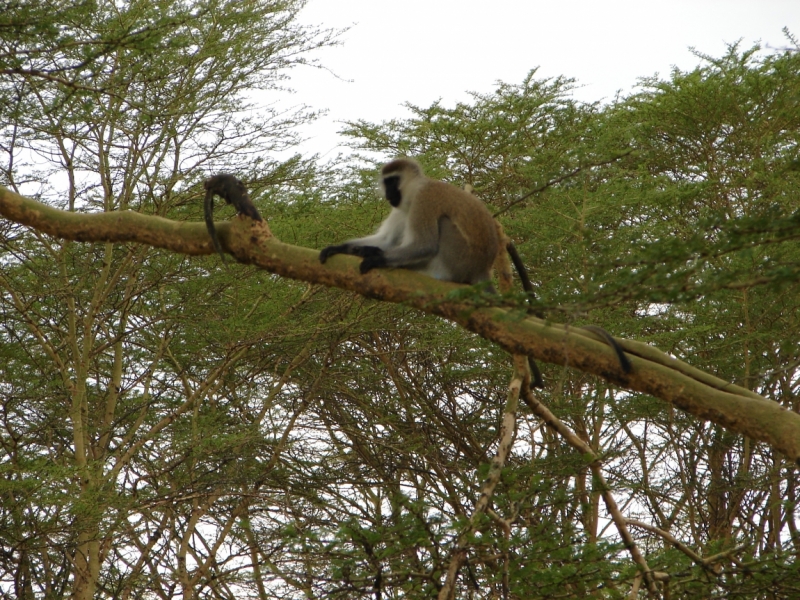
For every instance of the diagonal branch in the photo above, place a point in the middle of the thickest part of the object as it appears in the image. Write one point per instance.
(508, 430)
(573, 440)
(251, 242)
(559, 179)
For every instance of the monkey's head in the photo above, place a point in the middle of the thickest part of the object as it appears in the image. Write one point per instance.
(396, 177)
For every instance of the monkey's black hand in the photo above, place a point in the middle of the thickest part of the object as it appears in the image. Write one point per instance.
(373, 261)
(367, 251)
(329, 251)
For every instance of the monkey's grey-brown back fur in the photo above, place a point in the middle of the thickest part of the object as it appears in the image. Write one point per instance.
(467, 236)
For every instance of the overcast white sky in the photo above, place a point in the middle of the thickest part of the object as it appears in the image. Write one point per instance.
(419, 51)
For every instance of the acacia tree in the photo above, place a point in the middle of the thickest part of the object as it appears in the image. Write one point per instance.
(672, 216)
(123, 106)
(305, 443)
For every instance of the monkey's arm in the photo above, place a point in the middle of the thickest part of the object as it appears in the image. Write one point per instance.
(412, 251)
(388, 235)
(408, 256)
(376, 257)
(348, 248)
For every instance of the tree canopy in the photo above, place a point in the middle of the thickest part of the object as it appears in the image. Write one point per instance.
(172, 426)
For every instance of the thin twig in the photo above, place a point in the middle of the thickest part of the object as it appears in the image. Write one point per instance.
(559, 179)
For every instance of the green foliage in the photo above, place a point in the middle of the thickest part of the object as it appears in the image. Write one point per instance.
(215, 431)
(499, 144)
(670, 216)
(718, 208)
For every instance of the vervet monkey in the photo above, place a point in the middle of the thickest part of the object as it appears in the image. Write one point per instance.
(439, 230)
(434, 228)
(233, 191)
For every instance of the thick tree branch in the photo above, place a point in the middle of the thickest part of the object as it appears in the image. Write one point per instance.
(251, 242)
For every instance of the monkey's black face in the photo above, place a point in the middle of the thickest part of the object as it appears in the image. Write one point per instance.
(392, 186)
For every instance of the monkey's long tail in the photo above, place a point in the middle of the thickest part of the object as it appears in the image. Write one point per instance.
(623, 360)
(528, 287)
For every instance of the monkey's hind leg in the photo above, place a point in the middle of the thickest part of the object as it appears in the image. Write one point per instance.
(536, 375)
